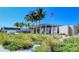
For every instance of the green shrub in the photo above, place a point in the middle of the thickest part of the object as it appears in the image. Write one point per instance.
(12, 47)
(36, 38)
(6, 42)
(70, 45)
(4, 39)
(73, 39)
(56, 36)
(50, 42)
(23, 43)
(47, 40)
(19, 44)
(22, 40)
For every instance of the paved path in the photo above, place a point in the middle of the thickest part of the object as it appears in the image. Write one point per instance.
(2, 49)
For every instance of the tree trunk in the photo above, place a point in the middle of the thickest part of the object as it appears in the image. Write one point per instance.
(53, 32)
(32, 28)
(39, 27)
(36, 27)
(45, 29)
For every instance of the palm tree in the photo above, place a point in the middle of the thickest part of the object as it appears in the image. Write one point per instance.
(41, 15)
(29, 18)
(20, 24)
(16, 24)
(35, 16)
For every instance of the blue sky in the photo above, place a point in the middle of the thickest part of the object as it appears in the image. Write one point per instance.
(54, 15)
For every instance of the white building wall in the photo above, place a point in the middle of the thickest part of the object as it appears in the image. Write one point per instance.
(54, 30)
(11, 31)
(75, 29)
(68, 30)
(64, 30)
(72, 29)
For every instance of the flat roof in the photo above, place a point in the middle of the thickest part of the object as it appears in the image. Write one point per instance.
(46, 25)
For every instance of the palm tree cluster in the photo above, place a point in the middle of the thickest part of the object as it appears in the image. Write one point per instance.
(35, 16)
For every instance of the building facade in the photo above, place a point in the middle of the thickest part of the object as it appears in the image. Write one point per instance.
(45, 29)
(69, 29)
(15, 29)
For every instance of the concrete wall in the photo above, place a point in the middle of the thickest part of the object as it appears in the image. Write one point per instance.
(72, 30)
(68, 30)
(75, 28)
(64, 30)
(54, 30)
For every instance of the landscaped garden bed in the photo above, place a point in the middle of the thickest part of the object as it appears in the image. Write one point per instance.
(38, 43)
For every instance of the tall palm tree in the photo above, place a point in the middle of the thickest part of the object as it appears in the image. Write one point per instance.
(41, 15)
(29, 17)
(35, 16)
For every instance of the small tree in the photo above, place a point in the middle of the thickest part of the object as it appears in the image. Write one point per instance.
(16, 24)
(20, 24)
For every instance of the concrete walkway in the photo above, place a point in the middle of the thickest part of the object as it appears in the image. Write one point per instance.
(2, 49)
